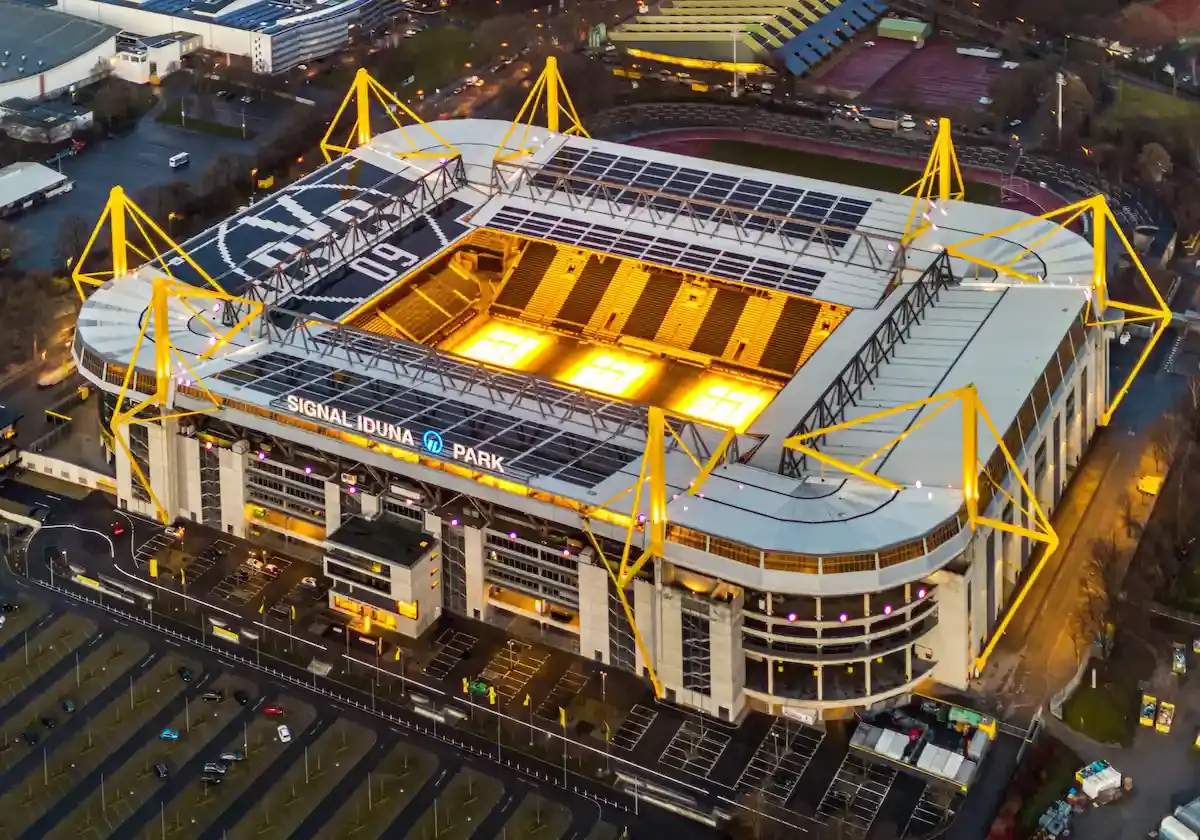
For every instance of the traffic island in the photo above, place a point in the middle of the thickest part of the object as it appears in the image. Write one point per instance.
(390, 787)
(538, 818)
(93, 673)
(604, 831)
(69, 764)
(194, 810)
(306, 783)
(460, 809)
(136, 781)
(26, 664)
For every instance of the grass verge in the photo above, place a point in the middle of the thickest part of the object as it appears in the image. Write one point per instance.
(96, 670)
(63, 769)
(17, 623)
(306, 784)
(34, 658)
(1136, 104)
(135, 782)
(841, 170)
(198, 806)
(171, 115)
(393, 784)
(1106, 713)
(459, 810)
(539, 818)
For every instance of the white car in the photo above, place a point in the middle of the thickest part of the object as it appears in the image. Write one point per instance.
(285, 734)
(255, 564)
(308, 582)
(2, 620)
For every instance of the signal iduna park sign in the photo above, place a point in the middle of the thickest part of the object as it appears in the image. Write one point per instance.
(430, 440)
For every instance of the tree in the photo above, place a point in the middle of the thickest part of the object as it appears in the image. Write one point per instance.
(1142, 25)
(112, 102)
(1154, 163)
(1101, 596)
(34, 308)
(72, 237)
(12, 245)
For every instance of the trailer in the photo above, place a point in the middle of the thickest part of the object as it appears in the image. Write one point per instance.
(1149, 710)
(1166, 715)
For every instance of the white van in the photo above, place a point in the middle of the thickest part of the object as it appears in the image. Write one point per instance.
(179, 160)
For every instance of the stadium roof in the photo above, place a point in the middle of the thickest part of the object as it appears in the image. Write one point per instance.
(774, 231)
(33, 39)
(265, 16)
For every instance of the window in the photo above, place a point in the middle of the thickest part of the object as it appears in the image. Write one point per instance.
(1069, 409)
(1040, 461)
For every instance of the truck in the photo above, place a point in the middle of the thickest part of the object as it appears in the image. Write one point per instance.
(1172, 829)
(1149, 710)
(1166, 715)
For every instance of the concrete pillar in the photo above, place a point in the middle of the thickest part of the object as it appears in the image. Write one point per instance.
(164, 464)
(820, 682)
(867, 677)
(233, 492)
(908, 672)
(476, 587)
(191, 500)
(670, 648)
(645, 613)
(728, 661)
(125, 477)
(433, 524)
(333, 507)
(593, 612)
(370, 504)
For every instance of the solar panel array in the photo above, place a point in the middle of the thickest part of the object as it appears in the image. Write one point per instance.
(529, 448)
(755, 197)
(660, 250)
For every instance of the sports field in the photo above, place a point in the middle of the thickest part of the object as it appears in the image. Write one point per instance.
(840, 170)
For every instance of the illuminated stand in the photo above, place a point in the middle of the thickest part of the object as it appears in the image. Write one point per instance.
(651, 485)
(365, 91)
(142, 402)
(549, 87)
(941, 181)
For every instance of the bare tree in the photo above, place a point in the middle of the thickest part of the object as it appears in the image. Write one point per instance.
(1100, 595)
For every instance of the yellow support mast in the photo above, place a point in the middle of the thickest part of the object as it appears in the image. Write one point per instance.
(559, 110)
(1102, 220)
(651, 485)
(364, 92)
(973, 471)
(152, 248)
(940, 182)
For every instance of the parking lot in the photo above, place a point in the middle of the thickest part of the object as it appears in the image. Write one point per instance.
(781, 759)
(512, 668)
(452, 646)
(695, 748)
(856, 794)
(246, 583)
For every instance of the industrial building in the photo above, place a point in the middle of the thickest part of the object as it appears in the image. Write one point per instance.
(770, 441)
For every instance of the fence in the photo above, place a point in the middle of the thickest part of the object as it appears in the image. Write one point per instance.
(65, 470)
(1059, 700)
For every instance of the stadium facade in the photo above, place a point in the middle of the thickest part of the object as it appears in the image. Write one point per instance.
(476, 370)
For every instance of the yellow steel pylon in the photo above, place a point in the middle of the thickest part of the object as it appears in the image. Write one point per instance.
(651, 481)
(558, 105)
(941, 181)
(152, 248)
(1102, 219)
(973, 472)
(364, 91)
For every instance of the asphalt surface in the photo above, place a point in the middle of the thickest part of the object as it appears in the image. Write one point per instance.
(516, 774)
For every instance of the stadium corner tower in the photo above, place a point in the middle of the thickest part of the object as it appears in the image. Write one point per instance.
(730, 430)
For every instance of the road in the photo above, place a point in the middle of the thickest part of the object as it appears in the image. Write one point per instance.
(1037, 655)
(471, 750)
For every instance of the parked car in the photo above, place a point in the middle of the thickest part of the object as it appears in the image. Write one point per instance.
(232, 755)
(215, 767)
(272, 711)
(309, 582)
(255, 564)
(49, 722)
(31, 737)
(213, 697)
(285, 734)
(118, 528)
(241, 697)
(168, 735)
(211, 779)
(185, 674)
(68, 705)
(10, 608)
(271, 570)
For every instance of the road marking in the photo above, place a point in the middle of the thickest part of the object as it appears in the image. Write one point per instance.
(55, 498)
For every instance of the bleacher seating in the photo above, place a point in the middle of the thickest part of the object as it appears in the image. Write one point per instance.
(647, 314)
(526, 277)
(589, 289)
(719, 322)
(790, 335)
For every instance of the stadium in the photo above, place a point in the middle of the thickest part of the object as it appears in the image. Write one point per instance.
(768, 441)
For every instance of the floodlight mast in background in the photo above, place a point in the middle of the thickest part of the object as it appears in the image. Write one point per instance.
(1102, 221)
(151, 249)
(551, 89)
(365, 91)
(652, 485)
(941, 181)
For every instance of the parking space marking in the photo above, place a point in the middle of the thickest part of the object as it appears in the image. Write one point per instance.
(150, 548)
(453, 645)
(695, 748)
(568, 686)
(631, 730)
(241, 592)
(856, 794)
(934, 808)
(209, 557)
(781, 759)
(512, 667)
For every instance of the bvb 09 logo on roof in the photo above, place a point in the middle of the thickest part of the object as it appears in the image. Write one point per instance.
(433, 442)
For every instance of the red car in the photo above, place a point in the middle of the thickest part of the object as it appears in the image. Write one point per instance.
(272, 711)
(118, 528)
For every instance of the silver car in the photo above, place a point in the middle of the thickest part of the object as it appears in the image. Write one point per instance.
(214, 767)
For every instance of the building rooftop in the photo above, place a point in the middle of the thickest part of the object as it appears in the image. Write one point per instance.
(24, 178)
(385, 537)
(266, 16)
(33, 39)
(769, 235)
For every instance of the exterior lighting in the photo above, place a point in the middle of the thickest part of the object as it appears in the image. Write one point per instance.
(208, 445)
(921, 592)
(887, 610)
(454, 522)
(307, 470)
(791, 616)
(352, 490)
(609, 372)
(262, 456)
(843, 618)
(504, 345)
(725, 401)
(512, 535)
(566, 552)
(641, 518)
